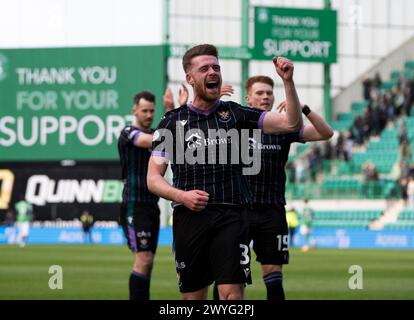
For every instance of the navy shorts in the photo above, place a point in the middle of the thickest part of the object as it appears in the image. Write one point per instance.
(211, 246)
(141, 225)
(269, 231)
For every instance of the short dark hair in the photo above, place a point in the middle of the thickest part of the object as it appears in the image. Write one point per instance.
(200, 50)
(263, 79)
(144, 95)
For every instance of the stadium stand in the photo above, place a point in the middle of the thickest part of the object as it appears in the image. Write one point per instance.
(378, 144)
(405, 221)
(357, 219)
(371, 157)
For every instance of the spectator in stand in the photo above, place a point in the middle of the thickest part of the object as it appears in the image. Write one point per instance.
(358, 130)
(401, 173)
(370, 177)
(410, 192)
(314, 160)
(382, 116)
(410, 85)
(348, 145)
(339, 148)
(389, 106)
(327, 150)
(374, 98)
(370, 172)
(405, 150)
(406, 108)
(367, 84)
(377, 82)
(367, 121)
(344, 146)
(402, 132)
(397, 99)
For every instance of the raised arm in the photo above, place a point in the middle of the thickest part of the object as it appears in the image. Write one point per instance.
(195, 200)
(168, 100)
(319, 128)
(183, 95)
(275, 123)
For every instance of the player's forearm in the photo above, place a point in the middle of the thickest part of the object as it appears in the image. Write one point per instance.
(160, 187)
(293, 107)
(323, 128)
(144, 141)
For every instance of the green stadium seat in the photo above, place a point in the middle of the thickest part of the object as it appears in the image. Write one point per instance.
(341, 125)
(358, 107)
(345, 168)
(345, 218)
(387, 85)
(409, 73)
(409, 64)
(396, 74)
(346, 116)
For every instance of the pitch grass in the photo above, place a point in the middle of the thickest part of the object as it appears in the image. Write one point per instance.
(101, 272)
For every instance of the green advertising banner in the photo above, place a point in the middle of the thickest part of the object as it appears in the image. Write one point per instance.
(71, 103)
(230, 53)
(298, 34)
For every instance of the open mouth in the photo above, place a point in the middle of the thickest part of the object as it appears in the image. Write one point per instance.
(212, 84)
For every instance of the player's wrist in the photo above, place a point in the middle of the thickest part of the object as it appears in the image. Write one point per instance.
(306, 110)
(288, 81)
(179, 196)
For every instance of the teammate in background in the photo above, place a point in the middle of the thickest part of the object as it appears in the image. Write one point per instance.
(24, 211)
(208, 197)
(267, 219)
(292, 222)
(306, 226)
(87, 223)
(140, 215)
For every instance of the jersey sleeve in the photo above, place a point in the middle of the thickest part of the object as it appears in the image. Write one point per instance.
(296, 136)
(130, 135)
(159, 139)
(251, 118)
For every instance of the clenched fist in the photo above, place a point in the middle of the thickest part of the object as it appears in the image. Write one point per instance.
(284, 68)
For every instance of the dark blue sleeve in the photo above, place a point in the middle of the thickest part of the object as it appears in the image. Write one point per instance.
(296, 136)
(130, 134)
(166, 123)
(251, 118)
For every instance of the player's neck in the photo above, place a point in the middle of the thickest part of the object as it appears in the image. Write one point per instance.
(204, 105)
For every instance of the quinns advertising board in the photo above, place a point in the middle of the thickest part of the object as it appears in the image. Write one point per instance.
(62, 192)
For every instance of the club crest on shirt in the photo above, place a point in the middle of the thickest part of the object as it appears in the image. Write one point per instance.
(224, 115)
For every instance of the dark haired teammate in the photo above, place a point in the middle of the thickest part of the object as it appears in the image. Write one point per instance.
(209, 220)
(140, 215)
(267, 218)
